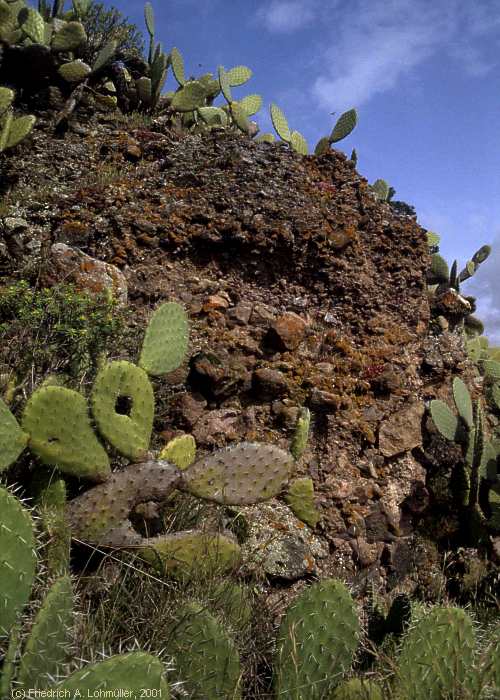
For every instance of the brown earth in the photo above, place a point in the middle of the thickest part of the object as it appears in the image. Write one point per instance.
(302, 289)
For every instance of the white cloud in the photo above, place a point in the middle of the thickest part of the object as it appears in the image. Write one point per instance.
(286, 16)
(376, 44)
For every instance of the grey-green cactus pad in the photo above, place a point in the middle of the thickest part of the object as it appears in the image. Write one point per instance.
(166, 340)
(240, 474)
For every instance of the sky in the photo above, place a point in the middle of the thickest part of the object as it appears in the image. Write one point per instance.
(422, 74)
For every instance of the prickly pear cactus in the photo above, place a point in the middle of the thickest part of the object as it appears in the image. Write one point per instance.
(280, 123)
(185, 554)
(316, 643)
(437, 656)
(300, 498)
(51, 502)
(128, 431)
(204, 656)
(47, 645)
(58, 424)
(241, 474)
(12, 439)
(356, 689)
(131, 672)
(166, 340)
(345, 124)
(301, 434)
(17, 558)
(180, 451)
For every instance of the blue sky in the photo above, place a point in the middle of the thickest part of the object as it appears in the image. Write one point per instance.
(423, 75)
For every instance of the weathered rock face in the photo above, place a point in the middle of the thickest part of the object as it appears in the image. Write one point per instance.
(298, 294)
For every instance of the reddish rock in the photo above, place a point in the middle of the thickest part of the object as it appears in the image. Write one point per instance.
(287, 332)
(269, 383)
(403, 430)
(86, 273)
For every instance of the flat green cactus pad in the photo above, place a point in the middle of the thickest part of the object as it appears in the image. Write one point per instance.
(280, 123)
(17, 558)
(69, 37)
(128, 429)
(48, 643)
(301, 433)
(317, 640)
(345, 124)
(6, 97)
(357, 689)
(180, 451)
(206, 660)
(251, 104)
(183, 555)
(445, 420)
(300, 498)
(144, 89)
(437, 655)
(190, 97)
(240, 474)
(463, 402)
(19, 128)
(12, 439)
(166, 340)
(32, 24)
(177, 63)
(58, 424)
(74, 71)
(131, 672)
(224, 84)
(298, 143)
(240, 117)
(322, 147)
(105, 54)
(238, 75)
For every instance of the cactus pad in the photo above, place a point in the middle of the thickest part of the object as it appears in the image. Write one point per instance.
(131, 672)
(322, 147)
(238, 75)
(18, 129)
(166, 340)
(357, 689)
(345, 124)
(12, 439)
(190, 553)
(74, 71)
(240, 117)
(298, 143)
(300, 498)
(191, 96)
(180, 451)
(301, 434)
(144, 89)
(177, 63)
(32, 24)
(58, 423)
(205, 657)
(47, 645)
(251, 104)
(317, 640)
(128, 432)
(241, 474)
(280, 123)
(69, 37)
(437, 655)
(149, 18)
(106, 507)
(224, 84)
(105, 54)
(265, 138)
(17, 558)
(6, 99)
(381, 189)
(444, 419)
(463, 402)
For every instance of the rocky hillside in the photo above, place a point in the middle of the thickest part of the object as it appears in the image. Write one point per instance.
(302, 289)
